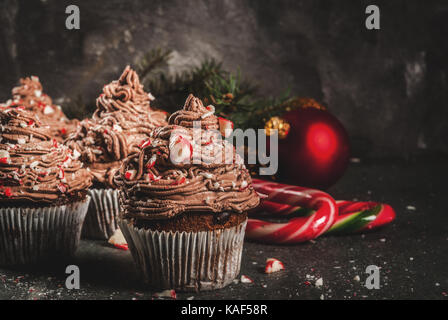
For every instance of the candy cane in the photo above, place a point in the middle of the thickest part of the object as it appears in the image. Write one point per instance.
(352, 216)
(285, 200)
(297, 229)
(361, 216)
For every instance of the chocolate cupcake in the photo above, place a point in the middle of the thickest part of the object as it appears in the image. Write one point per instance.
(30, 95)
(184, 201)
(119, 126)
(43, 191)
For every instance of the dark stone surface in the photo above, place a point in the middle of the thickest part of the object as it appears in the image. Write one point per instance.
(412, 252)
(388, 87)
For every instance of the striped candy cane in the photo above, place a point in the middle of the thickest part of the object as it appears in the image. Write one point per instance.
(297, 229)
(361, 216)
(350, 216)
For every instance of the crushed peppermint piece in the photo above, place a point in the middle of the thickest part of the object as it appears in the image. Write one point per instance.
(211, 112)
(180, 181)
(319, 283)
(144, 143)
(273, 265)
(151, 97)
(166, 294)
(181, 149)
(117, 128)
(246, 279)
(61, 174)
(207, 175)
(76, 154)
(8, 192)
(151, 162)
(118, 240)
(4, 157)
(130, 174)
(62, 188)
(225, 127)
(48, 110)
(34, 164)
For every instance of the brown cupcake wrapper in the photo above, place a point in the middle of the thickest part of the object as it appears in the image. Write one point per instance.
(101, 220)
(32, 235)
(186, 261)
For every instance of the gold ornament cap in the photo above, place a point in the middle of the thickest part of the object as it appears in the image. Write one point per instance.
(277, 123)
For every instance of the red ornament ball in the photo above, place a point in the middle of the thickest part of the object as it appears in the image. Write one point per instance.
(316, 151)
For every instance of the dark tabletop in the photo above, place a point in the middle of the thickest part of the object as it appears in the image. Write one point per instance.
(411, 252)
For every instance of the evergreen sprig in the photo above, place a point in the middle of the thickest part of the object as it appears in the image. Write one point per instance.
(234, 97)
(152, 61)
(171, 91)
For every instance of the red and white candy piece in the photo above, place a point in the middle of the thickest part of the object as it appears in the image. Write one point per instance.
(145, 143)
(151, 97)
(130, 174)
(273, 265)
(61, 173)
(151, 162)
(62, 188)
(4, 157)
(225, 127)
(118, 240)
(8, 192)
(246, 279)
(151, 177)
(211, 110)
(48, 110)
(166, 294)
(181, 149)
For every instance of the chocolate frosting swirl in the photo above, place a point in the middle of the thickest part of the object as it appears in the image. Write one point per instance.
(155, 187)
(34, 167)
(122, 120)
(30, 95)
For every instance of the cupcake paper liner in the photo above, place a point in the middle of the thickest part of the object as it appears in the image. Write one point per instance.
(186, 261)
(31, 235)
(101, 220)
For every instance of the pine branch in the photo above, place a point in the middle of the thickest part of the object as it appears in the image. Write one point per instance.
(152, 60)
(171, 91)
(233, 97)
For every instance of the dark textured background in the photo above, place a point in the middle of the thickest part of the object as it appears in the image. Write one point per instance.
(388, 87)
